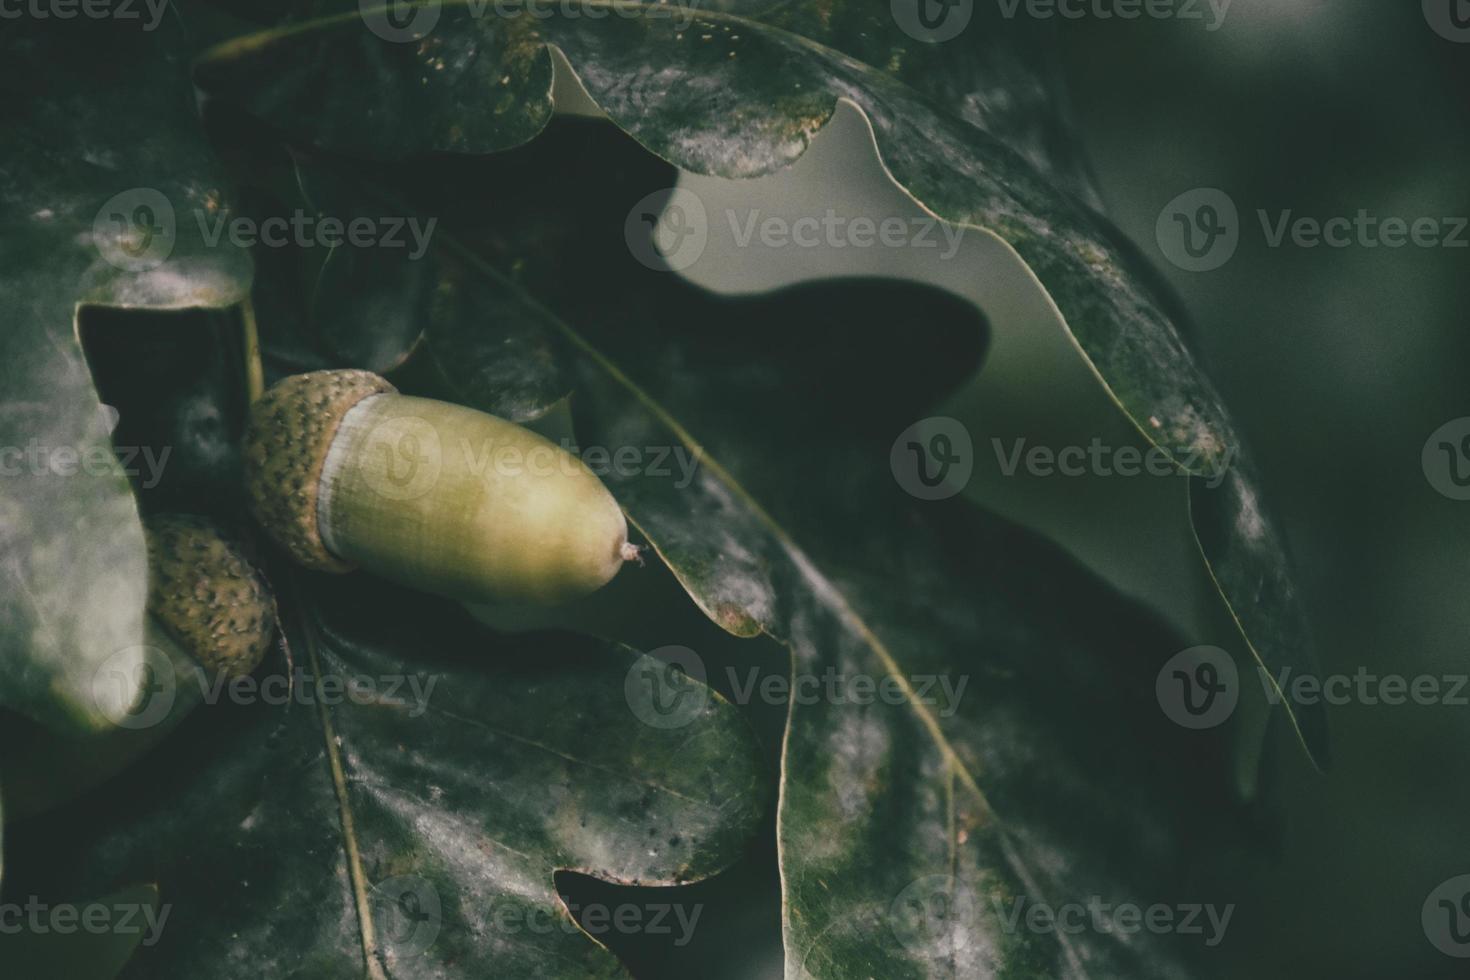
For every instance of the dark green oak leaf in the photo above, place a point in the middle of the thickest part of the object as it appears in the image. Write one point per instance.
(740, 93)
(997, 73)
(1052, 777)
(413, 829)
(103, 172)
(913, 832)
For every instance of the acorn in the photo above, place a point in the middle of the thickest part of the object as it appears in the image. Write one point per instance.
(344, 472)
(207, 595)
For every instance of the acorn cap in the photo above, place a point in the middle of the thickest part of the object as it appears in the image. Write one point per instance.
(207, 595)
(291, 428)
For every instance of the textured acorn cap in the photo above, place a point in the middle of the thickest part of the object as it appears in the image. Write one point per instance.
(291, 428)
(207, 595)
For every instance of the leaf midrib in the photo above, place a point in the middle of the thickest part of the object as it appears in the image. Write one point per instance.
(367, 929)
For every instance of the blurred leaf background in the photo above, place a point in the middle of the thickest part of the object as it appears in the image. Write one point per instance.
(1339, 364)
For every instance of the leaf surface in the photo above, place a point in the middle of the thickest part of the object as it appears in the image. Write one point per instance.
(404, 815)
(740, 92)
(103, 172)
(913, 829)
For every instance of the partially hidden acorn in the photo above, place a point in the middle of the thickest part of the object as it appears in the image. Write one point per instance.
(344, 472)
(207, 606)
(207, 595)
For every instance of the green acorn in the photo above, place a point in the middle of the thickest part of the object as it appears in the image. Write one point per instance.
(344, 472)
(207, 595)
